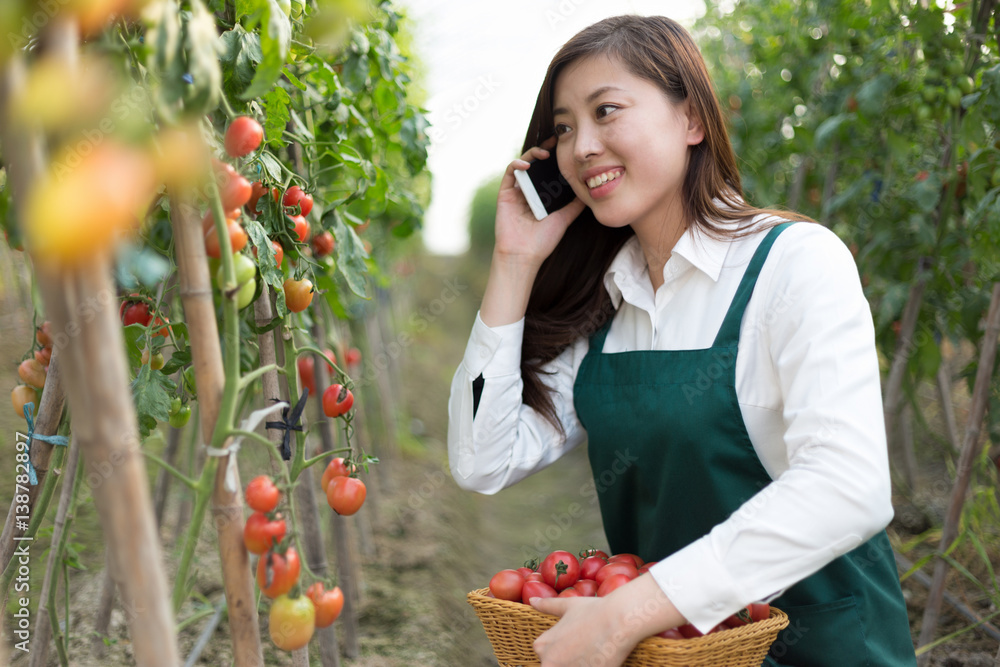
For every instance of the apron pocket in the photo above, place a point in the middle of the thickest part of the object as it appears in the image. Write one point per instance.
(829, 634)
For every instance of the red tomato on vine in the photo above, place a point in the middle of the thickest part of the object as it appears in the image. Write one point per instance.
(262, 494)
(346, 495)
(20, 395)
(322, 244)
(294, 196)
(277, 573)
(301, 227)
(243, 136)
(135, 312)
(237, 239)
(337, 400)
(336, 468)
(328, 604)
(261, 533)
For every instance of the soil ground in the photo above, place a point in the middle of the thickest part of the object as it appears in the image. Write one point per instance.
(431, 542)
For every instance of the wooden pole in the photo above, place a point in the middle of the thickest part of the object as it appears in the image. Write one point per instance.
(163, 477)
(966, 462)
(227, 506)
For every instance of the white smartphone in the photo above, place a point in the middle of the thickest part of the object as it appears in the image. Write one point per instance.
(544, 188)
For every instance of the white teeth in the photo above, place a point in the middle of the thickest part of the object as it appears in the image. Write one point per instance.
(601, 179)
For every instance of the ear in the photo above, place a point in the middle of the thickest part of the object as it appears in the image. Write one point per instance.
(695, 129)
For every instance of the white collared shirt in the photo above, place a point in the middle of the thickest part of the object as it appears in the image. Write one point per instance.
(808, 385)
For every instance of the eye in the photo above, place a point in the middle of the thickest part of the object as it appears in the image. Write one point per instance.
(605, 109)
(560, 129)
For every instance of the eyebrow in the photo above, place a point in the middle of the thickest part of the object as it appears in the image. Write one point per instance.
(590, 98)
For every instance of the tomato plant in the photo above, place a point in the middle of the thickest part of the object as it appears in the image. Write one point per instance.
(301, 227)
(328, 603)
(43, 356)
(346, 495)
(262, 494)
(261, 533)
(180, 418)
(291, 622)
(243, 136)
(237, 239)
(278, 572)
(307, 371)
(337, 400)
(135, 312)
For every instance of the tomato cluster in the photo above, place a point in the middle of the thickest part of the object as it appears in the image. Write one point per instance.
(293, 617)
(33, 372)
(595, 574)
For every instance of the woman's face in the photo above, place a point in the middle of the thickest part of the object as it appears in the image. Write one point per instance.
(622, 144)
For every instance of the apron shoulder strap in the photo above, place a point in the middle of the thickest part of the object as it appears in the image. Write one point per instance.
(729, 332)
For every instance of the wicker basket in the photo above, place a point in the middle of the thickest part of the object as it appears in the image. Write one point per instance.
(512, 628)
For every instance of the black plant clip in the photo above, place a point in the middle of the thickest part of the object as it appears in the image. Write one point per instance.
(290, 422)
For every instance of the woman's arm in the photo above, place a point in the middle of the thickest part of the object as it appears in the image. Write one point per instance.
(501, 441)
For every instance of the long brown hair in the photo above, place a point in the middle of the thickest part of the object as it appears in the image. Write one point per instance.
(568, 299)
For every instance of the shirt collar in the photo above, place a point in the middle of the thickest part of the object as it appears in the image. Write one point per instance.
(695, 247)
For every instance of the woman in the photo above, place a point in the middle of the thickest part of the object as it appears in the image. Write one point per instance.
(718, 358)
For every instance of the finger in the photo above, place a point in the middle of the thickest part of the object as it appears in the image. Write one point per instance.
(553, 606)
(535, 153)
(507, 182)
(549, 143)
(570, 212)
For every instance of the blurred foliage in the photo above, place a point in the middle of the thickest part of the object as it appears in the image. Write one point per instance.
(482, 218)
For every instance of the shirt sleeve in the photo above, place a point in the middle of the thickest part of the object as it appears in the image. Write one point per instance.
(507, 441)
(836, 492)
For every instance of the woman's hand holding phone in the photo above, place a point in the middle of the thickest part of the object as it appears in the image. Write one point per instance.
(522, 244)
(518, 234)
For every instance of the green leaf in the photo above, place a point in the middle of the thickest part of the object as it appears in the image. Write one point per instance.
(276, 37)
(241, 53)
(271, 167)
(134, 342)
(152, 392)
(351, 253)
(178, 360)
(276, 103)
(294, 80)
(873, 93)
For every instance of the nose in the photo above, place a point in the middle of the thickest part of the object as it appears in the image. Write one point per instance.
(587, 143)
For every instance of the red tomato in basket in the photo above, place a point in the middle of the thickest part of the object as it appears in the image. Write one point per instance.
(536, 589)
(586, 588)
(689, 631)
(507, 585)
(627, 558)
(611, 583)
(758, 611)
(590, 566)
(645, 568)
(610, 569)
(671, 633)
(569, 593)
(525, 571)
(587, 553)
(560, 569)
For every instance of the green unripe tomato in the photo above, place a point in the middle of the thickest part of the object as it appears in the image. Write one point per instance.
(929, 93)
(245, 270)
(995, 178)
(244, 297)
(189, 383)
(924, 112)
(182, 417)
(175, 406)
(954, 67)
(954, 96)
(965, 84)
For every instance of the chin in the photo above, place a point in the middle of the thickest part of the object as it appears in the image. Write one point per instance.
(611, 218)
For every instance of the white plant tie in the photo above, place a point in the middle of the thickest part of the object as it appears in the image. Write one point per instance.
(249, 424)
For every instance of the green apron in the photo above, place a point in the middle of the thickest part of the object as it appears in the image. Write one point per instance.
(671, 459)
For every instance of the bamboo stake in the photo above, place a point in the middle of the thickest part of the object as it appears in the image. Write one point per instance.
(948, 405)
(43, 628)
(227, 506)
(967, 459)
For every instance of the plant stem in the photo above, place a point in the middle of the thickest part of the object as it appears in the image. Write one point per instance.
(250, 377)
(203, 492)
(172, 470)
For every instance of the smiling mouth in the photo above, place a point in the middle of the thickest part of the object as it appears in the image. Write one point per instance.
(601, 179)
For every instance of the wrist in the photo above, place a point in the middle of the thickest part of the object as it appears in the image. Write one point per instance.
(641, 609)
